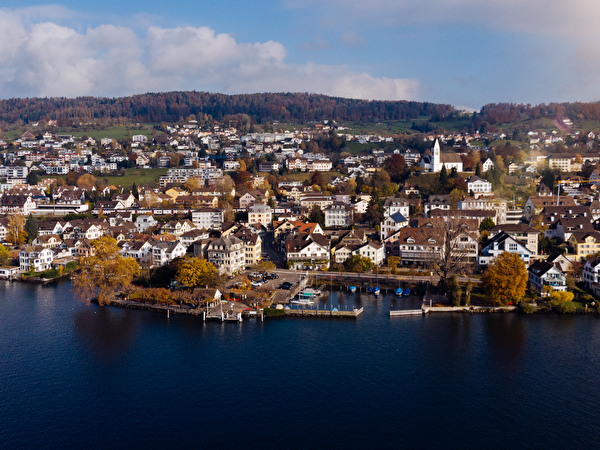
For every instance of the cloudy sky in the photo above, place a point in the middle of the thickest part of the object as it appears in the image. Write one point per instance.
(463, 52)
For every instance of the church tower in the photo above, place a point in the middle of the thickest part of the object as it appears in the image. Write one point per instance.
(437, 160)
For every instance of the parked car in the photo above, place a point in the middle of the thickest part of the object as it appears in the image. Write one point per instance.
(257, 283)
(255, 275)
(274, 276)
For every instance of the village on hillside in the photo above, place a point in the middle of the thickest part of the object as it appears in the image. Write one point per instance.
(307, 200)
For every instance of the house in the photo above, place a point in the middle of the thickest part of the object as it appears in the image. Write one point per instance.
(583, 244)
(310, 199)
(535, 204)
(303, 251)
(252, 245)
(590, 272)
(36, 257)
(436, 202)
(479, 186)
(498, 205)
(144, 221)
(487, 165)
(227, 254)
(139, 250)
(338, 214)
(164, 252)
(17, 204)
(47, 241)
(208, 218)
(392, 224)
(542, 273)
(415, 246)
(254, 196)
(395, 205)
(177, 227)
(189, 237)
(523, 233)
(373, 251)
(501, 243)
(262, 214)
(561, 262)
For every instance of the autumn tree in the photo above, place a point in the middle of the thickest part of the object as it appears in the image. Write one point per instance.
(505, 280)
(486, 224)
(191, 184)
(392, 263)
(4, 255)
(194, 272)
(86, 180)
(16, 229)
(104, 274)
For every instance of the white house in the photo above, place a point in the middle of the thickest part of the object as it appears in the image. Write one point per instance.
(37, 256)
(479, 186)
(542, 273)
(208, 218)
(501, 243)
(487, 165)
(590, 272)
(392, 224)
(338, 214)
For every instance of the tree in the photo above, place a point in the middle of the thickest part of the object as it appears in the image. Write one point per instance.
(191, 184)
(4, 255)
(86, 180)
(16, 229)
(317, 179)
(393, 262)
(316, 216)
(478, 170)
(396, 166)
(32, 178)
(194, 272)
(486, 224)
(31, 227)
(452, 256)
(443, 176)
(505, 281)
(71, 178)
(104, 274)
(564, 296)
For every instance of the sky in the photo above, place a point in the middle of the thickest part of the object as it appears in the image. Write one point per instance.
(463, 52)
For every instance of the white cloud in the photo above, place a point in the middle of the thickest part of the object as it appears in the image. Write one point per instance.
(48, 59)
(577, 18)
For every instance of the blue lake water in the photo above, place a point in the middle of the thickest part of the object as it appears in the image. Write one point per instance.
(80, 376)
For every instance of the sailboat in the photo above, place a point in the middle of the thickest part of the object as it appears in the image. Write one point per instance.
(399, 291)
(376, 290)
(406, 292)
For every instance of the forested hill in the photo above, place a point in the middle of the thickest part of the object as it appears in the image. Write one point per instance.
(171, 106)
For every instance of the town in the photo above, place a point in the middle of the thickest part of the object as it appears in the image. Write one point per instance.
(312, 198)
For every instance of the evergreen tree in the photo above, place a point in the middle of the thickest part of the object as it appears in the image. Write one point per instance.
(478, 170)
(134, 192)
(31, 227)
(443, 176)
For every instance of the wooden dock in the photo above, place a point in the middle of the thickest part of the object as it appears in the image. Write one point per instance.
(308, 312)
(407, 312)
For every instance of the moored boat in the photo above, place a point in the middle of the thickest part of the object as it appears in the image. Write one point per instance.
(406, 292)
(399, 291)
(352, 289)
(376, 290)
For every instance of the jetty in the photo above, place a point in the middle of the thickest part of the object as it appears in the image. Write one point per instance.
(324, 313)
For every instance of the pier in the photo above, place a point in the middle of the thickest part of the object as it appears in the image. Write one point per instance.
(407, 312)
(315, 312)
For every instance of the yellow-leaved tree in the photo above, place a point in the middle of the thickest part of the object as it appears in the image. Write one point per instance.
(104, 274)
(505, 281)
(195, 272)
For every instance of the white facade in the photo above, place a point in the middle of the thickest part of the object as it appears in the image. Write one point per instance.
(208, 218)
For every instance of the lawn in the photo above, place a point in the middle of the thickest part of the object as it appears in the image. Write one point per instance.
(116, 132)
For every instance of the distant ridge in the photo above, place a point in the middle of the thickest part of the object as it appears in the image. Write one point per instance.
(171, 106)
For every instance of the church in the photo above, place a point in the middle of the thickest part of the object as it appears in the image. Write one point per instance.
(434, 161)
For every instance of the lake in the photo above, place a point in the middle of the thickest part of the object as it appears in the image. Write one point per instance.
(82, 376)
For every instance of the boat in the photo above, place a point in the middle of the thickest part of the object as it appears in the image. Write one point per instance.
(352, 289)
(309, 293)
(406, 292)
(376, 290)
(370, 290)
(399, 291)
(302, 302)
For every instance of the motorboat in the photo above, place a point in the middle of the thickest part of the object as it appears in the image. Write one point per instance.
(352, 289)
(406, 292)
(399, 292)
(376, 290)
